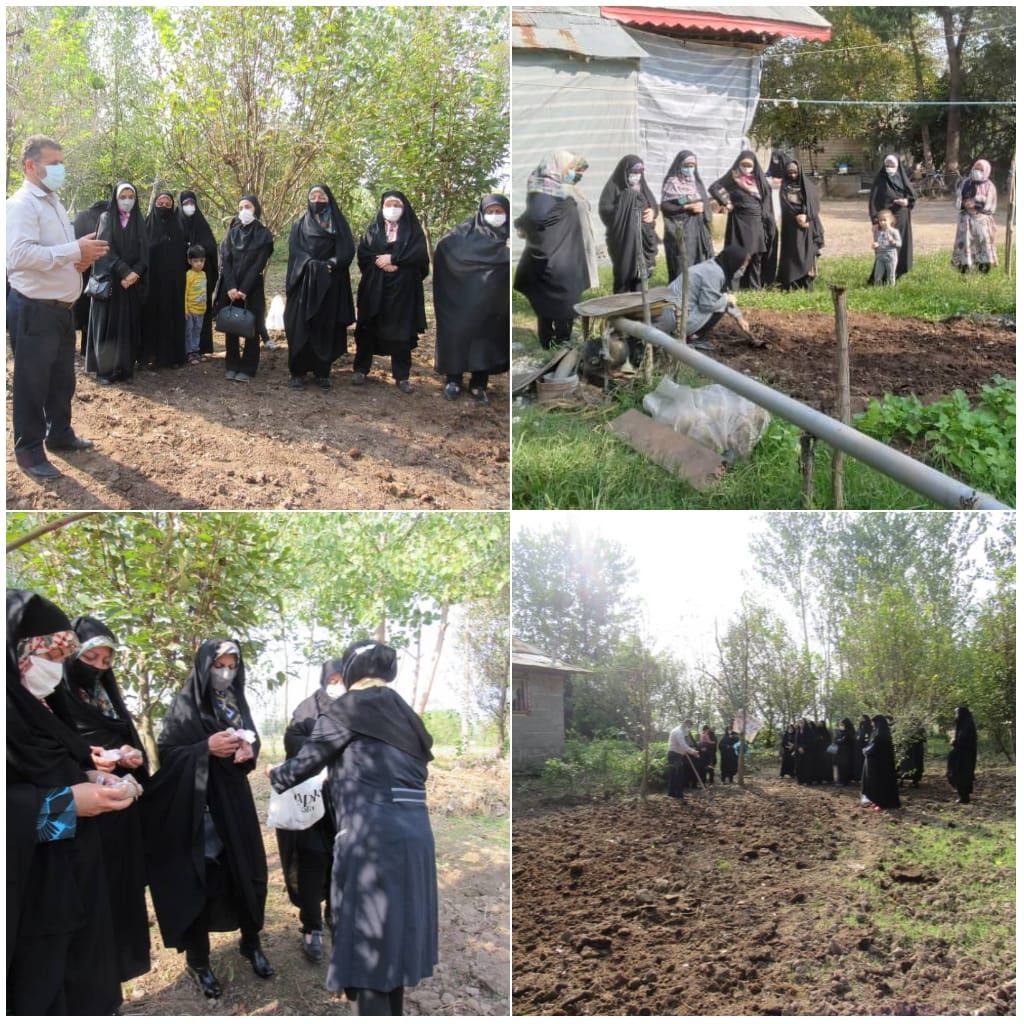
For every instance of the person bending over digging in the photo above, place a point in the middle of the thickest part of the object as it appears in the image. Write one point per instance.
(709, 297)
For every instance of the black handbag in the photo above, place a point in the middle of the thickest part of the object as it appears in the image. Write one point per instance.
(237, 321)
(97, 288)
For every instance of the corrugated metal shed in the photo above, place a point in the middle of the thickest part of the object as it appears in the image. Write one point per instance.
(752, 24)
(580, 31)
(532, 657)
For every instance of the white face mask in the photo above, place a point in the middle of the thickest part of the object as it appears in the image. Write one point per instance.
(633, 179)
(126, 205)
(978, 175)
(392, 213)
(188, 209)
(42, 677)
(222, 678)
(334, 690)
(496, 220)
(246, 216)
(890, 170)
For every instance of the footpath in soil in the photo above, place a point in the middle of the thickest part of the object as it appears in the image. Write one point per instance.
(743, 901)
(468, 807)
(888, 355)
(189, 438)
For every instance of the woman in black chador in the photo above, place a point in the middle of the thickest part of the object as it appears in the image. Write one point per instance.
(384, 885)
(730, 758)
(802, 236)
(963, 756)
(244, 254)
(804, 758)
(824, 758)
(85, 224)
(393, 262)
(863, 739)
(471, 300)
(207, 865)
(195, 230)
(846, 755)
(163, 323)
(59, 933)
(115, 323)
(93, 704)
(879, 787)
(892, 191)
(787, 750)
(306, 853)
(686, 209)
(628, 210)
(319, 304)
(745, 192)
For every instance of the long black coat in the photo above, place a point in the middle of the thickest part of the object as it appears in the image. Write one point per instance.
(390, 308)
(471, 295)
(319, 304)
(552, 271)
(799, 247)
(963, 757)
(163, 315)
(846, 756)
(121, 833)
(804, 758)
(751, 222)
(85, 224)
(190, 779)
(244, 253)
(879, 783)
(59, 932)
(318, 839)
(787, 748)
(884, 193)
(632, 244)
(196, 230)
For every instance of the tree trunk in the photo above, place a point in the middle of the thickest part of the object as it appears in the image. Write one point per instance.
(438, 646)
(419, 661)
(146, 731)
(954, 48)
(926, 137)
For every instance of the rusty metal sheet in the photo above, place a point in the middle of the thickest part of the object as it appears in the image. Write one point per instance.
(695, 463)
(521, 381)
(626, 303)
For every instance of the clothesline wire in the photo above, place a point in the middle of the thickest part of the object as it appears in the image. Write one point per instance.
(1000, 31)
(789, 100)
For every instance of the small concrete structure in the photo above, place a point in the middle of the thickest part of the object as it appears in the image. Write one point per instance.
(538, 704)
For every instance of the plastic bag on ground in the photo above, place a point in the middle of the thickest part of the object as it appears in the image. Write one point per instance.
(297, 808)
(713, 416)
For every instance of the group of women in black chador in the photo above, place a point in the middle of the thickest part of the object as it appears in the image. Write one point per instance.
(133, 313)
(90, 823)
(812, 754)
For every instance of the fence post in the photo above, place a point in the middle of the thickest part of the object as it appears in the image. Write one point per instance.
(807, 467)
(842, 389)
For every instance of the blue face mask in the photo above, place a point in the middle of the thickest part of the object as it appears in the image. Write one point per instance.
(571, 177)
(54, 177)
(688, 172)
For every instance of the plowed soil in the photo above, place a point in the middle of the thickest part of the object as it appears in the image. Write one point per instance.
(772, 899)
(472, 978)
(892, 355)
(188, 438)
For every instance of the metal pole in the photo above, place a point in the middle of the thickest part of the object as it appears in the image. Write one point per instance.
(942, 489)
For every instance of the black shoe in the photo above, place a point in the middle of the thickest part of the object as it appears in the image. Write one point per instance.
(260, 964)
(313, 946)
(104, 380)
(480, 395)
(42, 470)
(323, 383)
(404, 386)
(451, 391)
(358, 377)
(76, 444)
(206, 980)
(297, 382)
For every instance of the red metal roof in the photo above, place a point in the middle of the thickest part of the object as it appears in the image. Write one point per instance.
(714, 22)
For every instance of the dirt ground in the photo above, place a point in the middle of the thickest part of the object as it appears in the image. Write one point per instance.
(745, 901)
(188, 438)
(894, 355)
(472, 977)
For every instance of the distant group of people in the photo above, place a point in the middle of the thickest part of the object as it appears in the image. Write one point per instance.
(91, 822)
(559, 261)
(812, 754)
(692, 757)
(148, 291)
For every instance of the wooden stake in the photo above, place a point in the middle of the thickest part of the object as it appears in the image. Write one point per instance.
(807, 467)
(842, 389)
(1011, 216)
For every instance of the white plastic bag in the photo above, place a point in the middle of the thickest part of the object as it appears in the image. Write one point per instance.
(298, 808)
(713, 416)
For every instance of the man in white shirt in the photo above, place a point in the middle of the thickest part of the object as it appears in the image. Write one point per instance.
(679, 749)
(44, 269)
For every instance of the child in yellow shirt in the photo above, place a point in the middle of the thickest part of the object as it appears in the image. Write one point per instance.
(195, 301)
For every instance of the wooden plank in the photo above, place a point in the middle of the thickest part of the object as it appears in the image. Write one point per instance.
(695, 463)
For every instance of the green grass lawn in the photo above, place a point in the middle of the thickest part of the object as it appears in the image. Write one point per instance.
(567, 459)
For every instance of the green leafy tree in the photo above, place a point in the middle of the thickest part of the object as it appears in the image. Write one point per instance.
(484, 641)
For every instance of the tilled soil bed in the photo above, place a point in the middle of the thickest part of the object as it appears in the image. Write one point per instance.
(893, 355)
(188, 438)
(772, 899)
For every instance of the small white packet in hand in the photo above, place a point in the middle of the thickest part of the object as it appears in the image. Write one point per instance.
(112, 755)
(244, 734)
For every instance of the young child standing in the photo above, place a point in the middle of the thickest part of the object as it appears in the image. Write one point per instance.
(195, 301)
(887, 249)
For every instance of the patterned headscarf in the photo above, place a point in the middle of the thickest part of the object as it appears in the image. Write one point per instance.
(64, 641)
(550, 174)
